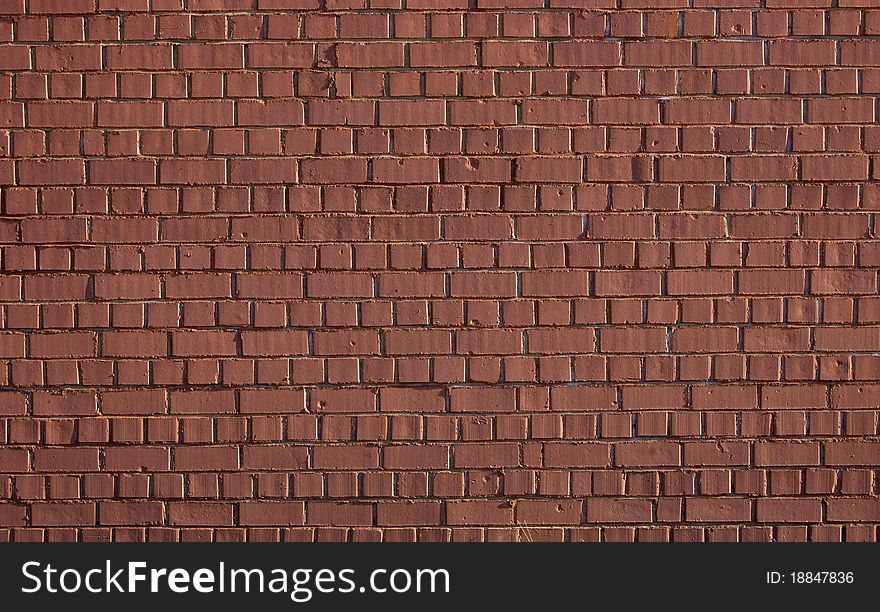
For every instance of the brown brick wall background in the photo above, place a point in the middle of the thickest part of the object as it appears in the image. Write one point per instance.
(439, 270)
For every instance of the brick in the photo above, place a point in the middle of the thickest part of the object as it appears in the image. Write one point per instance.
(619, 510)
(626, 111)
(801, 52)
(148, 401)
(137, 459)
(482, 112)
(271, 513)
(68, 514)
(782, 510)
(192, 171)
(270, 401)
(66, 459)
(58, 57)
(438, 54)
(787, 453)
(549, 512)
(60, 114)
(407, 457)
(274, 343)
(134, 344)
(716, 453)
(121, 287)
(657, 53)
(63, 344)
(200, 513)
(699, 282)
(341, 112)
(840, 110)
(771, 282)
(404, 170)
(210, 56)
(370, 55)
(274, 457)
(51, 172)
(478, 228)
(70, 403)
(520, 53)
(479, 512)
(206, 458)
(140, 57)
(186, 113)
(560, 341)
(203, 343)
(851, 453)
(125, 513)
(555, 283)
(412, 112)
(342, 458)
(712, 510)
(124, 172)
(632, 340)
(691, 169)
(617, 283)
(647, 454)
(729, 53)
(263, 171)
(853, 510)
(409, 512)
(576, 455)
(586, 54)
(280, 55)
(762, 111)
(834, 168)
(330, 170)
(346, 343)
(265, 229)
(270, 112)
(338, 513)
(707, 397)
(467, 399)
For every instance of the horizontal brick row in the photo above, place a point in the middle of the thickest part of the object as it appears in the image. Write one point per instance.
(440, 399)
(782, 532)
(457, 513)
(99, 52)
(635, 454)
(401, 426)
(394, 170)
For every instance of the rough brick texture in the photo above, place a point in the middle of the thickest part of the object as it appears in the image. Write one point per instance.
(439, 270)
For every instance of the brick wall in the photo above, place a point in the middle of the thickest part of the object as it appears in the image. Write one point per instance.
(439, 269)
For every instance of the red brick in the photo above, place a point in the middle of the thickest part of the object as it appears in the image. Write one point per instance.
(272, 513)
(718, 510)
(200, 513)
(586, 53)
(338, 513)
(280, 55)
(65, 514)
(127, 513)
(409, 512)
(782, 510)
(576, 455)
(370, 55)
(479, 512)
(620, 510)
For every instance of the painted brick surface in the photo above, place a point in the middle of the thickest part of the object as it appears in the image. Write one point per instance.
(439, 270)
